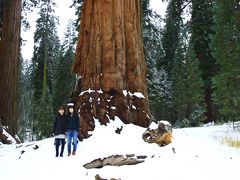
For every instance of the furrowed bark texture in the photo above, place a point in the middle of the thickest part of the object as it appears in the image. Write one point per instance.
(110, 65)
(9, 55)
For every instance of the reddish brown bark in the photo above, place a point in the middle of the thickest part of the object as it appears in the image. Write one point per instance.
(109, 59)
(9, 55)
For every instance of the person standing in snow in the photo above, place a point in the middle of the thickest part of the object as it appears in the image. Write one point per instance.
(73, 124)
(59, 130)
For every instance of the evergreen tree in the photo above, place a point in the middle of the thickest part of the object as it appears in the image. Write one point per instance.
(202, 29)
(25, 100)
(78, 6)
(226, 46)
(156, 79)
(27, 7)
(25, 90)
(20, 91)
(171, 37)
(188, 108)
(160, 94)
(171, 34)
(46, 53)
(64, 80)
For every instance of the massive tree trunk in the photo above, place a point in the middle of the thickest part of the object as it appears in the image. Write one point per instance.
(10, 15)
(110, 66)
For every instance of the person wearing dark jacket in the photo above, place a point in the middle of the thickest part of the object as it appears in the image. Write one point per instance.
(59, 130)
(73, 124)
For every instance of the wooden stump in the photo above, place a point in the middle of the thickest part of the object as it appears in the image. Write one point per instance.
(161, 136)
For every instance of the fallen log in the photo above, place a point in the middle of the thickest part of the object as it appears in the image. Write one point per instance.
(114, 160)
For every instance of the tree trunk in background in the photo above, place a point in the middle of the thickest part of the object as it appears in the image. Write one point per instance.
(109, 62)
(9, 55)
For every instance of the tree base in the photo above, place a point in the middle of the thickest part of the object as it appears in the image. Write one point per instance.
(96, 104)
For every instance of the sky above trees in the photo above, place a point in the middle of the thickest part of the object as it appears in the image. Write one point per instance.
(62, 10)
(65, 13)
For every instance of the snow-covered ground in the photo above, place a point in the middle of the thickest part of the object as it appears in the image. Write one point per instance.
(200, 155)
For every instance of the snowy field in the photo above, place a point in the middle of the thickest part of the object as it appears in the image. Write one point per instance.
(199, 155)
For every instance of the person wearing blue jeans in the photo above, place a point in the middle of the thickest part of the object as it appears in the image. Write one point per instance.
(73, 125)
(72, 140)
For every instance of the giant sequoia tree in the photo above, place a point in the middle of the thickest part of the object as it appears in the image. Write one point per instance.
(109, 63)
(10, 18)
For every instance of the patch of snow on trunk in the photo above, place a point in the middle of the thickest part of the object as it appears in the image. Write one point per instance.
(9, 137)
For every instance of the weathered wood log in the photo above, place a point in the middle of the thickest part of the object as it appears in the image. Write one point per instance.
(114, 160)
(161, 136)
(97, 163)
(109, 62)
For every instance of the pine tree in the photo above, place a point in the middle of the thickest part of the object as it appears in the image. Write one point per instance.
(160, 96)
(226, 46)
(202, 29)
(25, 90)
(156, 79)
(64, 80)
(46, 52)
(78, 6)
(178, 87)
(187, 87)
(196, 107)
(25, 102)
(27, 7)
(171, 34)
(171, 37)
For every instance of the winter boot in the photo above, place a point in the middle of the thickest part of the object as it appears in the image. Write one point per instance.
(73, 153)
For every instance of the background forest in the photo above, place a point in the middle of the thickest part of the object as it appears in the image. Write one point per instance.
(192, 57)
